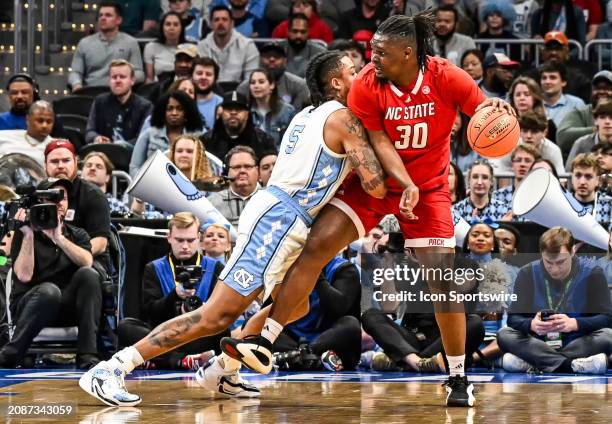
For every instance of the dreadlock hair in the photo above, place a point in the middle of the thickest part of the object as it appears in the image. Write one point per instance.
(418, 28)
(321, 69)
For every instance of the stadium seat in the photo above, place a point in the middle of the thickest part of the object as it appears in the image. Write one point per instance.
(73, 105)
(75, 136)
(118, 155)
(78, 122)
(91, 91)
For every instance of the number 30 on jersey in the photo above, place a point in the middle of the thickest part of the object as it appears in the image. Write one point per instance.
(412, 136)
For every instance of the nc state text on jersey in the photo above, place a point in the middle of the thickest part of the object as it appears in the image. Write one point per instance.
(410, 112)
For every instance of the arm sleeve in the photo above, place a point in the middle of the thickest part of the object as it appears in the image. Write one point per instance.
(139, 155)
(156, 307)
(90, 132)
(338, 296)
(251, 59)
(570, 157)
(462, 89)
(524, 302)
(136, 61)
(78, 66)
(363, 102)
(96, 213)
(147, 55)
(81, 238)
(16, 244)
(598, 302)
(571, 129)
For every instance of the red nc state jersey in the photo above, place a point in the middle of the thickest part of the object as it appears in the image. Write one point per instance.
(418, 119)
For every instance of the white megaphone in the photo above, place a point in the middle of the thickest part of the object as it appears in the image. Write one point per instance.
(160, 183)
(540, 198)
(461, 228)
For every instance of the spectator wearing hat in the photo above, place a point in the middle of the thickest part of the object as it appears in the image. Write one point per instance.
(235, 127)
(235, 54)
(87, 206)
(560, 15)
(317, 28)
(183, 68)
(53, 282)
(34, 139)
(95, 53)
(498, 75)
(118, 116)
(291, 88)
(194, 23)
(98, 170)
(602, 118)
(579, 122)
(300, 50)
(158, 55)
(498, 18)
(367, 14)
(553, 79)
(448, 43)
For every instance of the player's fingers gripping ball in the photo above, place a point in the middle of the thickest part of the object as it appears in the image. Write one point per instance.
(493, 133)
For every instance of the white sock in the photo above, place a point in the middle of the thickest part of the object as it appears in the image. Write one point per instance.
(228, 364)
(126, 359)
(271, 330)
(456, 365)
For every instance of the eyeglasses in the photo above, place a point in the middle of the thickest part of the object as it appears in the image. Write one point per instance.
(245, 167)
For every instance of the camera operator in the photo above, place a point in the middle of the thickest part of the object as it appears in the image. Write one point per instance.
(560, 320)
(169, 292)
(53, 282)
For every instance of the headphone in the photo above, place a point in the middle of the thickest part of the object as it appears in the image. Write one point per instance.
(27, 78)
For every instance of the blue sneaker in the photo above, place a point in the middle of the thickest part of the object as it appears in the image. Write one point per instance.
(108, 386)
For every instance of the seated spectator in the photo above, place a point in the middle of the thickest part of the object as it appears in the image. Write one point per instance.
(448, 42)
(53, 284)
(183, 68)
(270, 113)
(467, 15)
(215, 242)
(95, 52)
(98, 170)
(266, 165)
(140, 17)
(243, 173)
(472, 63)
(173, 115)
(159, 55)
(22, 91)
(498, 18)
(291, 88)
(498, 75)
(367, 15)
(235, 127)
(34, 139)
(189, 155)
(117, 117)
(593, 14)
(602, 117)
(553, 79)
(256, 7)
(236, 55)
(524, 10)
(508, 239)
(604, 32)
(526, 95)
(332, 11)
(579, 122)
(205, 75)
(479, 202)
(585, 181)
(559, 15)
(330, 330)
(194, 23)
(456, 183)
(560, 320)
(246, 22)
(300, 50)
(186, 85)
(604, 157)
(163, 297)
(460, 152)
(318, 29)
(355, 50)
(545, 164)
(87, 206)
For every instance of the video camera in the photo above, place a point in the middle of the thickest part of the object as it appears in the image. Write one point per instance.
(40, 206)
(189, 276)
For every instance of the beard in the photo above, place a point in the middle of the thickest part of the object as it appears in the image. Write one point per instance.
(19, 110)
(205, 91)
(297, 44)
(445, 38)
(497, 85)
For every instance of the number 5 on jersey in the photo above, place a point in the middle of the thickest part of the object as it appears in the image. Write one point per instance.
(294, 137)
(414, 136)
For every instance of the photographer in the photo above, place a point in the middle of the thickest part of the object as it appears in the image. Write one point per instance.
(53, 282)
(559, 322)
(169, 291)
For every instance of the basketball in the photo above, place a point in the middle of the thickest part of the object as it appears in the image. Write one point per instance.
(493, 133)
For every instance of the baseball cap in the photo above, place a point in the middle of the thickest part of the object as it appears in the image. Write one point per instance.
(234, 98)
(187, 49)
(58, 144)
(605, 76)
(272, 47)
(499, 59)
(557, 37)
(48, 183)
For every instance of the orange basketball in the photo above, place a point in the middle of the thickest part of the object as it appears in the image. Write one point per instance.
(493, 133)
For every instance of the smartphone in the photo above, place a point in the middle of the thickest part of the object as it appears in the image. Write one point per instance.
(545, 314)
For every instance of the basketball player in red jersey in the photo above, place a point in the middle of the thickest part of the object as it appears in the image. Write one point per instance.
(407, 101)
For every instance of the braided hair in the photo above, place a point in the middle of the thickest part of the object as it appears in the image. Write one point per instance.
(319, 72)
(417, 28)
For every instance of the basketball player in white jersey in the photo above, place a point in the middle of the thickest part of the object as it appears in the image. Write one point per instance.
(320, 147)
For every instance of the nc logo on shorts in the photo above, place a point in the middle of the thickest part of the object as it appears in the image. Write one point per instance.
(243, 278)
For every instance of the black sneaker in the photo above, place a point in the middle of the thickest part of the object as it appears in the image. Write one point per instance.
(255, 352)
(460, 391)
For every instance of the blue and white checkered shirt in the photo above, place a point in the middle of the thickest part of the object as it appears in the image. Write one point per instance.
(495, 210)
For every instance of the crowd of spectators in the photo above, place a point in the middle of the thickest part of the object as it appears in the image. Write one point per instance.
(215, 90)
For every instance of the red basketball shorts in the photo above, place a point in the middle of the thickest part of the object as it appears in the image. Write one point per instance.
(433, 228)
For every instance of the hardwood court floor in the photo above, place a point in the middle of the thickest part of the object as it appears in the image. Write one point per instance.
(174, 398)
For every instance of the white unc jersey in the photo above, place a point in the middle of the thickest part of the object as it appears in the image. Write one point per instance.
(306, 168)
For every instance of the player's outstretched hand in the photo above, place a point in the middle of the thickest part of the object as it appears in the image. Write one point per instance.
(497, 103)
(410, 197)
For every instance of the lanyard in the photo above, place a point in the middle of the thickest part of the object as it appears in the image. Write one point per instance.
(172, 267)
(548, 295)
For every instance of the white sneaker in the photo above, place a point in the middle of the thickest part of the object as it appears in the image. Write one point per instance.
(596, 364)
(107, 385)
(513, 363)
(211, 376)
(113, 414)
